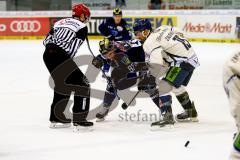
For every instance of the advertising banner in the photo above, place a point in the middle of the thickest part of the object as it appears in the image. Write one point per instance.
(220, 27)
(156, 21)
(201, 26)
(94, 22)
(24, 26)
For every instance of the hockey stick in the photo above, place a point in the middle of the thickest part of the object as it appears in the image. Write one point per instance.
(104, 74)
(125, 106)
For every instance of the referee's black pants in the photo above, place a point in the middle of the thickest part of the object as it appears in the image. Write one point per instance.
(67, 78)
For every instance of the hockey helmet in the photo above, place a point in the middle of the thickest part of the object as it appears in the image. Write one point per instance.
(105, 46)
(117, 11)
(79, 9)
(142, 24)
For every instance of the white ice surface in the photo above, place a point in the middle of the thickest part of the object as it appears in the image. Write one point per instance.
(25, 98)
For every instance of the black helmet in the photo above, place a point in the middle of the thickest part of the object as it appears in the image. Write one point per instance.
(117, 11)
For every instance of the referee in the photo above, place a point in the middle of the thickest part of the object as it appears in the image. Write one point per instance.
(62, 43)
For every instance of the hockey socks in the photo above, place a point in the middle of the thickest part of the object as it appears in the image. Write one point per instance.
(165, 103)
(184, 100)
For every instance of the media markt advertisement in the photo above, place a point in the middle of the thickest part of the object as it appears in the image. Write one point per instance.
(208, 28)
(23, 28)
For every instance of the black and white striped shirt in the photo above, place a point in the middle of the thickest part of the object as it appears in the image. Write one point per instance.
(68, 34)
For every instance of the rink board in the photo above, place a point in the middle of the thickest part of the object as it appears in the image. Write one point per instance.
(204, 40)
(198, 25)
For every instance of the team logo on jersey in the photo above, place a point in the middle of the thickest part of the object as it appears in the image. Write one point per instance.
(62, 22)
(119, 28)
(25, 26)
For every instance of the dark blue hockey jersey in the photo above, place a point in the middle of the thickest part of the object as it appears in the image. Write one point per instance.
(120, 32)
(132, 48)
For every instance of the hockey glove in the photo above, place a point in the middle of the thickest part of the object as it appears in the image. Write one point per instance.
(146, 83)
(97, 62)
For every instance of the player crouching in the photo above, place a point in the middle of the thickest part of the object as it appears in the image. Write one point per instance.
(126, 59)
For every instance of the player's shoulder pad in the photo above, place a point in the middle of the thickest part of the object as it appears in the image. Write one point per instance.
(134, 43)
(172, 28)
(149, 44)
(127, 45)
(70, 23)
(164, 27)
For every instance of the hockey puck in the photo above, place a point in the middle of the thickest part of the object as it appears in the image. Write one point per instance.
(124, 106)
(187, 143)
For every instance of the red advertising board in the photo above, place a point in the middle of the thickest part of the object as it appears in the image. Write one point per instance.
(24, 26)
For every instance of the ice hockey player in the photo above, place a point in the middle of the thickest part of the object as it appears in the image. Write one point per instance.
(62, 43)
(126, 59)
(115, 28)
(173, 51)
(231, 82)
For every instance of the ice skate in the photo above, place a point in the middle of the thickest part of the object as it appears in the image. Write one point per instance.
(57, 125)
(166, 121)
(84, 126)
(102, 114)
(189, 115)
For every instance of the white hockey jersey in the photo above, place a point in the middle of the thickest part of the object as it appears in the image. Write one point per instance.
(169, 47)
(232, 68)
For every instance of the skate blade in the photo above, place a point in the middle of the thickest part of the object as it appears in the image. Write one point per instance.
(188, 120)
(59, 126)
(100, 119)
(234, 154)
(162, 128)
(82, 129)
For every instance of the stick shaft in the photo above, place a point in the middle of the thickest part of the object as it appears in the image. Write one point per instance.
(115, 91)
(134, 97)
